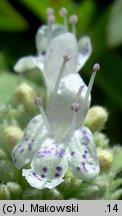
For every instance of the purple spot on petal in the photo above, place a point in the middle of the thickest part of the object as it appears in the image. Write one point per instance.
(57, 174)
(21, 151)
(72, 153)
(34, 121)
(84, 156)
(34, 173)
(30, 146)
(60, 153)
(84, 143)
(83, 131)
(84, 166)
(86, 138)
(39, 155)
(85, 50)
(83, 163)
(40, 179)
(58, 168)
(44, 153)
(37, 176)
(45, 169)
(85, 152)
(43, 176)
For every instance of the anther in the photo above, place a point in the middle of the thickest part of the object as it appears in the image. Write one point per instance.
(75, 107)
(38, 102)
(51, 18)
(73, 19)
(96, 67)
(63, 13)
(50, 11)
(67, 57)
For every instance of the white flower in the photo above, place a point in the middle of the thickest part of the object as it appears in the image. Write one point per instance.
(56, 140)
(45, 36)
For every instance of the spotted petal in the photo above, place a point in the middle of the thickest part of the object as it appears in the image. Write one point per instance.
(48, 166)
(85, 50)
(42, 40)
(63, 44)
(59, 105)
(82, 156)
(34, 134)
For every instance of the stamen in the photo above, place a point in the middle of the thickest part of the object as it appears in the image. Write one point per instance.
(73, 19)
(51, 20)
(38, 102)
(79, 93)
(75, 107)
(63, 13)
(50, 11)
(96, 67)
(66, 59)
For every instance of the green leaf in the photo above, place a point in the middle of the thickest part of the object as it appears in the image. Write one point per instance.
(98, 33)
(109, 79)
(118, 159)
(8, 83)
(10, 19)
(85, 12)
(115, 25)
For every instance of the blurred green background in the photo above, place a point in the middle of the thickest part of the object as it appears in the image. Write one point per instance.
(101, 20)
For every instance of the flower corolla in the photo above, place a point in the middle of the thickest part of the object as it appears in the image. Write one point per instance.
(57, 139)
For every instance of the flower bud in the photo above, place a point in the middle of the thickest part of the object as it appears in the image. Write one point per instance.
(89, 192)
(105, 159)
(101, 140)
(4, 192)
(102, 183)
(14, 189)
(70, 186)
(26, 95)
(96, 118)
(53, 194)
(12, 135)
